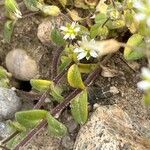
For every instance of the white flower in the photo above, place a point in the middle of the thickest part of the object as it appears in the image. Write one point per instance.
(145, 84)
(145, 73)
(143, 11)
(87, 48)
(70, 30)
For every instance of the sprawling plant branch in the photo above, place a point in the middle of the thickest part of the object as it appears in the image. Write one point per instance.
(58, 109)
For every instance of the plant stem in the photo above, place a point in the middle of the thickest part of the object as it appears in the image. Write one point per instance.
(55, 62)
(61, 74)
(57, 110)
(10, 137)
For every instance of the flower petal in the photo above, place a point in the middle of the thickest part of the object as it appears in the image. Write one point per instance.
(148, 21)
(66, 36)
(73, 24)
(139, 5)
(72, 36)
(140, 16)
(78, 50)
(143, 85)
(145, 73)
(81, 55)
(77, 29)
(63, 28)
(93, 53)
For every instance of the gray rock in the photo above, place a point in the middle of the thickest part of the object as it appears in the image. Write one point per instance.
(4, 130)
(9, 103)
(67, 142)
(110, 128)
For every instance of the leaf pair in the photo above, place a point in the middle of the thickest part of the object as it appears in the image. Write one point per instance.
(79, 104)
(44, 85)
(31, 118)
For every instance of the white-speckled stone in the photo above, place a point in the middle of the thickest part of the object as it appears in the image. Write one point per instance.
(4, 130)
(9, 103)
(110, 128)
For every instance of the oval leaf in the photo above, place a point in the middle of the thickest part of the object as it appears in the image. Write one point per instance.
(136, 40)
(31, 4)
(57, 38)
(12, 9)
(74, 77)
(147, 99)
(86, 68)
(55, 127)
(30, 118)
(17, 126)
(101, 18)
(56, 93)
(8, 30)
(79, 107)
(40, 85)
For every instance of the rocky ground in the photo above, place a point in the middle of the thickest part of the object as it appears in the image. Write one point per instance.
(118, 122)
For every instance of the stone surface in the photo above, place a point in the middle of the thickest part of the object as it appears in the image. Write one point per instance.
(21, 65)
(44, 32)
(43, 141)
(9, 103)
(4, 130)
(67, 142)
(110, 128)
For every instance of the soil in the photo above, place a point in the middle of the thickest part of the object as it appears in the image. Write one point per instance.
(129, 99)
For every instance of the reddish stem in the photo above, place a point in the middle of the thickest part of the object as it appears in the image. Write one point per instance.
(57, 110)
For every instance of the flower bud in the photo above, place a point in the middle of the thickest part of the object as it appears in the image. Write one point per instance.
(50, 10)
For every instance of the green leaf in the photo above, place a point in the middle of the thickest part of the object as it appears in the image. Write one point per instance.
(40, 85)
(115, 24)
(79, 107)
(86, 68)
(50, 10)
(55, 127)
(31, 4)
(13, 142)
(57, 37)
(147, 99)
(136, 40)
(4, 73)
(8, 30)
(56, 93)
(83, 31)
(65, 61)
(30, 118)
(17, 126)
(94, 30)
(4, 83)
(101, 18)
(74, 77)
(63, 2)
(98, 30)
(12, 9)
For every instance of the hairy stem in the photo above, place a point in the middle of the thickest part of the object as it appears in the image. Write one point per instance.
(55, 62)
(10, 137)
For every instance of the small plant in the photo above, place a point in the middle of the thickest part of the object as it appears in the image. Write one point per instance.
(78, 46)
